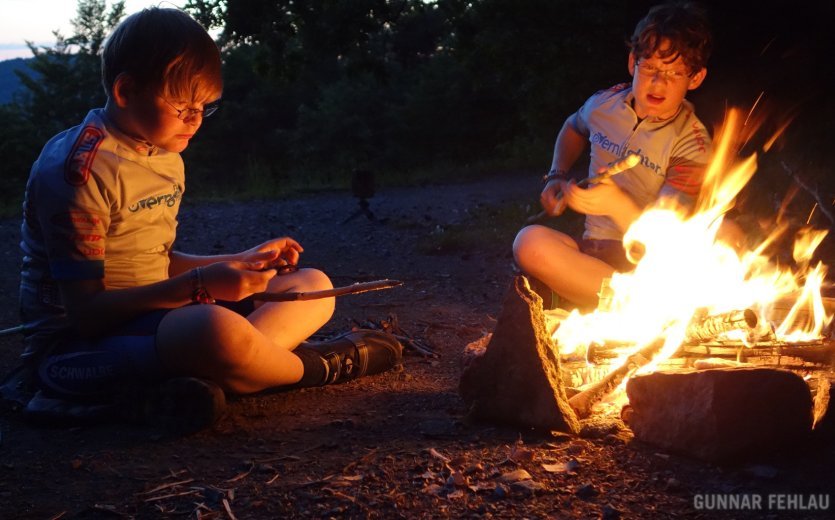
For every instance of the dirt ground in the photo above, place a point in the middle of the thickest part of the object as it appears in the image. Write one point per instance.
(396, 445)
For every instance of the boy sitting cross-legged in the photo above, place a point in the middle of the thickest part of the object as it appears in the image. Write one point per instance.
(108, 304)
(649, 117)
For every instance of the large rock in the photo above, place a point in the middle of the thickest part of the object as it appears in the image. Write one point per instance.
(720, 415)
(517, 378)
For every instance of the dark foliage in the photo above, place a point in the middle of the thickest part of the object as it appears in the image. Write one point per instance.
(317, 89)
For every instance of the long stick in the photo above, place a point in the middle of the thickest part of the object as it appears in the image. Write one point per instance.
(328, 293)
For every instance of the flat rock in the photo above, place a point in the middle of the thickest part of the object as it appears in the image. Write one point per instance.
(721, 415)
(517, 378)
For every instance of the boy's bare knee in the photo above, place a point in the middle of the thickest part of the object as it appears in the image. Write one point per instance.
(315, 280)
(303, 280)
(227, 338)
(525, 242)
(319, 281)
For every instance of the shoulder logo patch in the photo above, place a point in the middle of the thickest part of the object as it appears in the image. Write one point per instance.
(80, 159)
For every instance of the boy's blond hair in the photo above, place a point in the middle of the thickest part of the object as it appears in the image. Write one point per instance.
(164, 51)
(684, 25)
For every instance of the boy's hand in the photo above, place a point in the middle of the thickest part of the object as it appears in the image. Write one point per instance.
(550, 198)
(603, 198)
(234, 281)
(273, 253)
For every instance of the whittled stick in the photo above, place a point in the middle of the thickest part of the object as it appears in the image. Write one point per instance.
(630, 161)
(327, 293)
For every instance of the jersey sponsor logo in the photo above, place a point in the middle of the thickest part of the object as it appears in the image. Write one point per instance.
(77, 220)
(76, 373)
(80, 160)
(82, 237)
(646, 161)
(92, 251)
(165, 199)
(603, 142)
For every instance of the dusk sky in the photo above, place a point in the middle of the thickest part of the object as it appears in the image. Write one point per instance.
(34, 21)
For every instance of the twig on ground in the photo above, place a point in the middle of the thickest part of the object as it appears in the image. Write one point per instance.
(241, 475)
(228, 510)
(172, 495)
(166, 486)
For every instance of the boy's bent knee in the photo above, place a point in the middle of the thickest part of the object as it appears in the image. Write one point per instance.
(303, 280)
(315, 280)
(527, 241)
(219, 338)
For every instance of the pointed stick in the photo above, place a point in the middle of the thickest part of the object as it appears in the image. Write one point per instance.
(328, 293)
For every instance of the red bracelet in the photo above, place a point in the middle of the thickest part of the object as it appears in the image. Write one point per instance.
(199, 292)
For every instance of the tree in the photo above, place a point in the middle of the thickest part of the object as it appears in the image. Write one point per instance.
(67, 79)
(63, 85)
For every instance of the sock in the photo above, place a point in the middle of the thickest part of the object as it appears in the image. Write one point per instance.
(316, 369)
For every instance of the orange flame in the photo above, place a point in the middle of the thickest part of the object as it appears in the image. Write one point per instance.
(685, 270)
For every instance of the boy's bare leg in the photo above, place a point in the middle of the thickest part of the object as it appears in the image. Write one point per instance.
(555, 259)
(216, 343)
(287, 324)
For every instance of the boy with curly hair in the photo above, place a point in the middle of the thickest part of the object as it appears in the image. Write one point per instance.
(650, 117)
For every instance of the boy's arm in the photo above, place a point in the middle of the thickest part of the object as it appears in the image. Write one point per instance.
(689, 160)
(569, 146)
(278, 251)
(94, 310)
(181, 262)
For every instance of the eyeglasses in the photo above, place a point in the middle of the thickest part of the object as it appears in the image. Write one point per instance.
(651, 71)
(188, 113)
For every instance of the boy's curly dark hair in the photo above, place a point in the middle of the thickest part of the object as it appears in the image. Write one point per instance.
(684, 25)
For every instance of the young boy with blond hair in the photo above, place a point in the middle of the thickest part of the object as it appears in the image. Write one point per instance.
(106, 300)
(649, 117)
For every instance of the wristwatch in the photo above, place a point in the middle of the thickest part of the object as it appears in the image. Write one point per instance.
(553, 174)
(199, 293)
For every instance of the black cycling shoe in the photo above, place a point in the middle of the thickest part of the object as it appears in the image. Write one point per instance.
(181, 405)
(47, 410)
(184, 405)
(358, 353)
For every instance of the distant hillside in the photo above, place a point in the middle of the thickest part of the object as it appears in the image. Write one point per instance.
(9, 82)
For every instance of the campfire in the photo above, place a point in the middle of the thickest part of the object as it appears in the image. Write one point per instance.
(704, 341)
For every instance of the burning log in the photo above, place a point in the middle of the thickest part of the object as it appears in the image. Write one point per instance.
(720, 415)
(709, 327)
(820, 352)
(583, 402)
(517, 378)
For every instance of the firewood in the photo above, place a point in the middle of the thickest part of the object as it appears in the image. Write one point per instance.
(706, 328)
(819, 352)
(583, 402)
